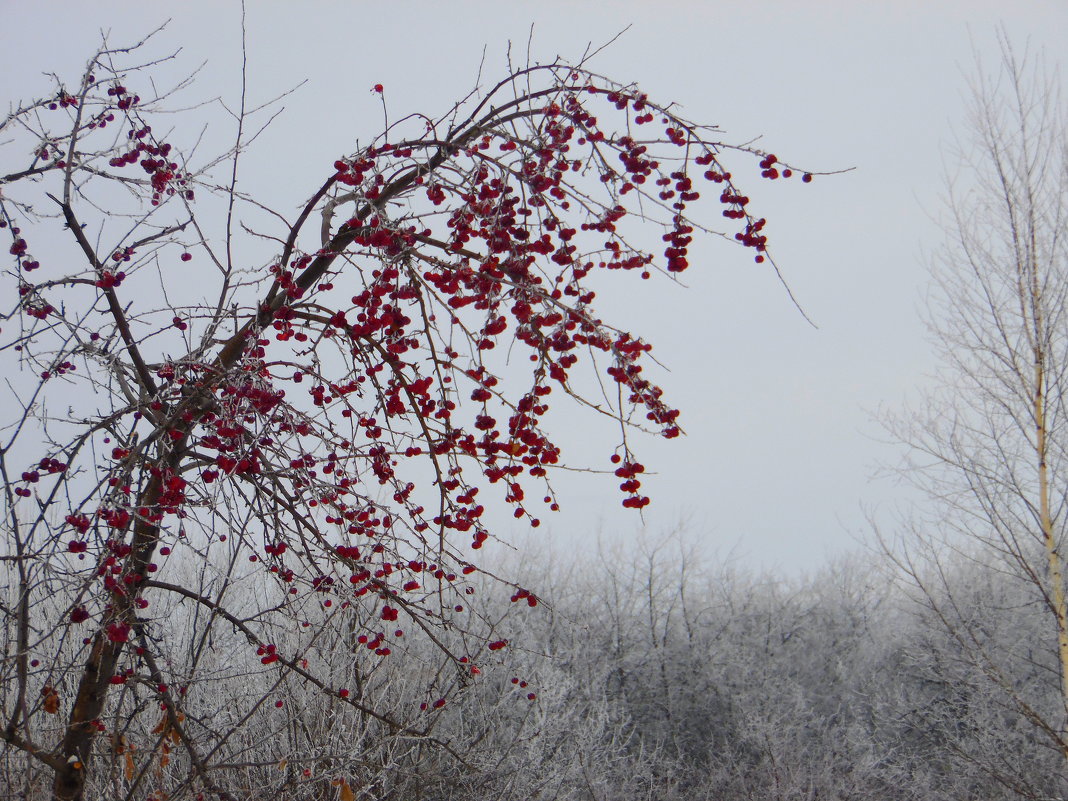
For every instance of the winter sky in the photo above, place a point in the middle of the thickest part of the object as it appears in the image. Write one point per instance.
(780, 464)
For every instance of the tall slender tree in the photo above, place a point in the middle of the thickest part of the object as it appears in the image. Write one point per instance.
(991, 444)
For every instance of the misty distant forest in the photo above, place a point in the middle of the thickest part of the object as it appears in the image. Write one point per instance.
(660, 676)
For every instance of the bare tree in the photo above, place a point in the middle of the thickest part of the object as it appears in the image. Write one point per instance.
(989, 446)
(243, 440)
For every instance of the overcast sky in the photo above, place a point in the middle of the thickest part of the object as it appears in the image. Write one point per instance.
(782, 439)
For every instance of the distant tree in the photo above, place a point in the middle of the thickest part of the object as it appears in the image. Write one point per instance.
(744, 686)
(991, 444)
(238, 438)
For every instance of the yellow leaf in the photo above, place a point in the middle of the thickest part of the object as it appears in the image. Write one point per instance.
(346, 792)
(129, 772)
(282, 764)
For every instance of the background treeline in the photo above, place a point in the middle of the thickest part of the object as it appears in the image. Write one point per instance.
(657, 675)
(669, 678)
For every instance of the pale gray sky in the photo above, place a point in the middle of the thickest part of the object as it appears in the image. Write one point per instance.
(781, 441)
